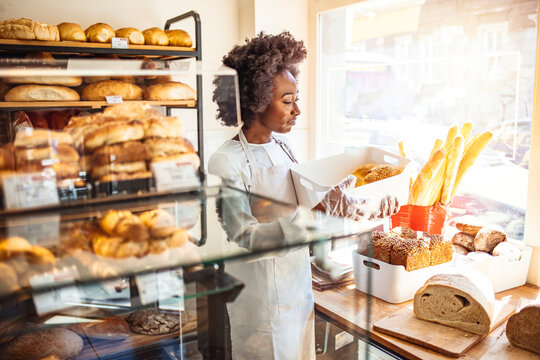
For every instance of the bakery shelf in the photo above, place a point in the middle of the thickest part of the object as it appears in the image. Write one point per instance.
(19, 105)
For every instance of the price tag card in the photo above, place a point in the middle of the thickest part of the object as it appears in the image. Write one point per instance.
(175, 175)
(119, 43)
(148, 288)
(171, 289)
(114, 99)
(29, 190)
(43, 230)
(56, 299)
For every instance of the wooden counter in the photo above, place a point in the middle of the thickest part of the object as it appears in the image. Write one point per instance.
(349, 308)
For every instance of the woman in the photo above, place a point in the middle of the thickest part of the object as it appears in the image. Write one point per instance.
(273, 316)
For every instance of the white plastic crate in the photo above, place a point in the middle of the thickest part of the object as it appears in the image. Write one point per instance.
(314, 179)
(391, 283)
(503, 271)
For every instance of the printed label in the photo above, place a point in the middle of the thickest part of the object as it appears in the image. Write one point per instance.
(30, 190)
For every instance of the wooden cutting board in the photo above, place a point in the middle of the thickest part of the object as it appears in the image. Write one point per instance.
(443, 339)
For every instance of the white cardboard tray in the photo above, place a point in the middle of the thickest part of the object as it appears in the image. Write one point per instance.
(314, 179)
(391, 283)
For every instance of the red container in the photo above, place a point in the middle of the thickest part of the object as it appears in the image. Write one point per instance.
(430, 219)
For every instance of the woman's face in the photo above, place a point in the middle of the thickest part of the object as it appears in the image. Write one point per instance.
(280, 115)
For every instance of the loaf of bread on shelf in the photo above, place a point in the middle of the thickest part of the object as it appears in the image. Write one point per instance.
(41, 93)
(29, 137)
(112, 328)
(153, 321)
(45, 80)
(61, 152)
(99, 91)
(99, 171)
(133, 35)
(163, 127)
(457, 301)
(488, 237)
(165, 147)
(41, 57)
(179, 37)
(523, 328)
(71, 32)
(59, 342)
(112, 133)
(26, 29)
(99, 33)
(169, 91)
(155, 36)
(128, 151)
(185, 158)
(125, 176)
(131, 111)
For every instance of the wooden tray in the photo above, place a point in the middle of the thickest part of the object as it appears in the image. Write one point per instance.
(440, 338)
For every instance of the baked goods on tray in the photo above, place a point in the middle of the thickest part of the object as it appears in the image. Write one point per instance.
(458, 301)
(56, 342)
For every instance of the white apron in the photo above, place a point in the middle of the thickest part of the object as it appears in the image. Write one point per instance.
(273, 317)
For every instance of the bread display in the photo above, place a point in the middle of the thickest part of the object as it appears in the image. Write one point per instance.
(26, 29)
(155, 322)
(179, 37)
(41, 93)
(369, 173)
(59, 342)
(99, 91)
(413, 250)
(169, 91)
(133, 35)
(99, 33)
(155, 36)
(457, 301)
(45, 80)
(71, 32)
(523, 328)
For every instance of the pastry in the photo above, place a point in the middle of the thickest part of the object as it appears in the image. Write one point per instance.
(133, 35)
(124, 224)
(71, 32)
(169, 91)
(100, 33)
(455, 300)
(179, 37)
(155, 36)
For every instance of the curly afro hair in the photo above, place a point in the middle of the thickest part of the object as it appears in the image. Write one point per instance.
(257, 62)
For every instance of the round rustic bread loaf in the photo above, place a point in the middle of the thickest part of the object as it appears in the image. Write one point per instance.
(99, 91)
(169, 91)
(488, 237)
(179, 37)
(65, 344)
(45, 80)
(41, 93)
(523, 328)
(155, 36)
(71, 32)
(154, 322)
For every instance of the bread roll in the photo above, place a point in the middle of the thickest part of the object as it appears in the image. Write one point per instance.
(465, 240)
(488, 237)
(131, 111)
(456, 301)
(166, 147)
(100, 33)
(71, 32)
(160, 222)
(128, 167)
(99, 91)
(458, 249)
(41, 57)
(119, 153)
(39, 344)
(133, 35)
(111, 328)
(29, 137)
(41, 93)
(45, 80)
(523, 328)
(112, 133)
(469, 224)
(506, 249)
(164, 127)
(186, 158)
(26, 29)
(179, 38)
(155, 36)
(169, 91)
(119, 248)
(63, 152)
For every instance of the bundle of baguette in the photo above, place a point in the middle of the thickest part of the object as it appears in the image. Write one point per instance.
(42, 150)
(412, 249)
(441, 175)
(20, 260)
(123, 141)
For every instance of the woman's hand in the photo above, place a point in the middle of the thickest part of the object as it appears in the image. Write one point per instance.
(338, 202)
(388, 207)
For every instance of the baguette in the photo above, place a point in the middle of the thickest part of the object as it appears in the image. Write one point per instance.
(452, 164)
(452, 132)
(477, 144)
(438, 144)
(401, 149)
(465, 131)
(433, 192)
(424, 178)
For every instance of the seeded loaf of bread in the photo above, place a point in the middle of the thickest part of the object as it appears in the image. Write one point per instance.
(523, 328)
(457, 301)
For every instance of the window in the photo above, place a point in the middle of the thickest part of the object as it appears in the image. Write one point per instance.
(408, 70)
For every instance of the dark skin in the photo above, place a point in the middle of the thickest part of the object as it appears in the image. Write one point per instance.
(280, 115)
